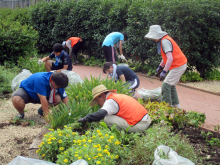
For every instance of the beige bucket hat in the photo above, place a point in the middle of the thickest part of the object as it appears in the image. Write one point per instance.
(155, 32)
(97, 91)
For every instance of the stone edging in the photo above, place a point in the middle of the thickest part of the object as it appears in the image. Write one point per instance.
(180, 84)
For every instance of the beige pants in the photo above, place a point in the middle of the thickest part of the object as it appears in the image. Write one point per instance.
(174, 75)
(121, 124)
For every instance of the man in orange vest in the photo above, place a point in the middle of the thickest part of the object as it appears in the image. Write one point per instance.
(173, 60)
(119, 109)
(74, 44)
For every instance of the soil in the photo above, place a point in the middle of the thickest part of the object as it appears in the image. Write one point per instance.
(16, 138)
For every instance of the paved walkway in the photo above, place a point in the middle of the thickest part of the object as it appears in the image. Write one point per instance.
(190, 99)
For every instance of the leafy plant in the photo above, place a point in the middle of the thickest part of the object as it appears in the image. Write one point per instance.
(96, 146)
(190, 76)
(212, 74)
(31, 64)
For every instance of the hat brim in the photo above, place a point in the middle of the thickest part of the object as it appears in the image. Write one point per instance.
(156, 36)
(94, 102)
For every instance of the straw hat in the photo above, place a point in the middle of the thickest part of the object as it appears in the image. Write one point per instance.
(97, 91)
(155, 32)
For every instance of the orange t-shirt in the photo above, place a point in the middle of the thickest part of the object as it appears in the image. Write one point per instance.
(74, 40)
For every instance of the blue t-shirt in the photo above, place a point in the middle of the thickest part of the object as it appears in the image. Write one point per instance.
(39, 83)
(112, 39)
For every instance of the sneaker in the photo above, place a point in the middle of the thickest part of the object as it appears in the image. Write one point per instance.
(41, 112)
(19, 116)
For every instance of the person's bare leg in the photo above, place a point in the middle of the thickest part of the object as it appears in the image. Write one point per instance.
(19, 104)
(48, 65)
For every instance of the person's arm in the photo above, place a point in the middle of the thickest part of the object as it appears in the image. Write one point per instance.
(68, 44)
(65, 100)
(96, 116)
(64, 68)
(44, 104)
(116, 51)
(122, 78)
(120, 47)
(162, 64)
(46, 58)
(169, 61)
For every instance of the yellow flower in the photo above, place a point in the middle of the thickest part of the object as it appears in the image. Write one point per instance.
(98, 131)
(42, 143)
(37, 151)
(109, 140)
(100, 134)
(116, 156)
(45, 135)
(53, 138)
(99, 154)
(50, 135)
(51, 129)
(84, 145)
(106, 146)
(112, 157)
(84, 140)
(79, 157)
(65, 126)
(74, 141)
(117, 142)
(65, 161)
(98, 162)
(93, 137)
(76, 152)
(67, 135)
(73, 133)
(78, 141)
(60, 141)
(106, 135)
(60, 134)
(95, 146)
(49, 142)
(98, 145)
(89, 141)
(76, 155)
(89, 158)
(111, 137)
(43, 155)
(105, 151)
(49, 139)
(102, 137)
(99, 149)
(61, 148)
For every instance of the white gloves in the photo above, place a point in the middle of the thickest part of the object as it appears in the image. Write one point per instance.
(122, 57)
(40, 62)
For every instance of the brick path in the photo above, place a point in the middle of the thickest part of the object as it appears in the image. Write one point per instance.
(190, 99)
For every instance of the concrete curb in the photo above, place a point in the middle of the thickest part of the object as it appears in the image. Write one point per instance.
(181, 84)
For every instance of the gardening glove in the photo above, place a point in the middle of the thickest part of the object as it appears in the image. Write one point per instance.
(123, 57)
(82, 121)
(163, 75)
(159, 69)
(40, 62)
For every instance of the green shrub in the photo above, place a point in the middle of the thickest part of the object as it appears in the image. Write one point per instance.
(31, 64)
(96, 146)
(16, 40)
(142, 151)
(6, 77)
(212, 74)
(191, 76)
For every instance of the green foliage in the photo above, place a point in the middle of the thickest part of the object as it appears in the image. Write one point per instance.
(96, 145)
(80, 96)
(6, 76)
(142, 152)
(93, 61)
(212, 74)
(163, 113)
(190, 76)
(63, 115)
(31, 64)
(16, 40)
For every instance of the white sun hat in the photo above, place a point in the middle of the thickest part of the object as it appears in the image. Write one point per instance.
(155, 32)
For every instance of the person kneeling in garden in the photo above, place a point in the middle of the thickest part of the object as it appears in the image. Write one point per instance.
(173, 59)
(45, 88)
(63, 60)
(122, 73)
(119, 109)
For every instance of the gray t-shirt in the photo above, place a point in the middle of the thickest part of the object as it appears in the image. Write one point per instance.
(127, 72)
(167, 46)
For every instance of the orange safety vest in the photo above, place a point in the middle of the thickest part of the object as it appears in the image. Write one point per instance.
(74, 40)
(179, 58)
(129, 108)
